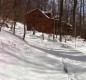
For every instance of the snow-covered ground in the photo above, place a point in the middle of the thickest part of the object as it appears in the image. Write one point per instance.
(37, 59)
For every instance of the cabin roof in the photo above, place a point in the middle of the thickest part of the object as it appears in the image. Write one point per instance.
(37, 10)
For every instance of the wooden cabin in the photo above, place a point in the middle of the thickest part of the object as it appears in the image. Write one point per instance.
(43, 22)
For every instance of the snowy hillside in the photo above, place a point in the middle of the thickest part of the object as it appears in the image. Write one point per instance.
(37, 59)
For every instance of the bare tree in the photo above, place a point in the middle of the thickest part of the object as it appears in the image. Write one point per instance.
(60, 19)
(53, 12)
(83, 22)
(15, 15)
(27, 8)
(74, 16)
(80, 23)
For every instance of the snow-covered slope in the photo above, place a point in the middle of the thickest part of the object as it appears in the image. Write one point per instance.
(37, 59)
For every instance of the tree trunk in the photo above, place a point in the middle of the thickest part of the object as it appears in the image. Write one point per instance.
(28, 8)
(83, 19)
(74, 17)
(60, 19)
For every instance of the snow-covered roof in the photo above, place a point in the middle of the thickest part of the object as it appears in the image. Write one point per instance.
(48, 11)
